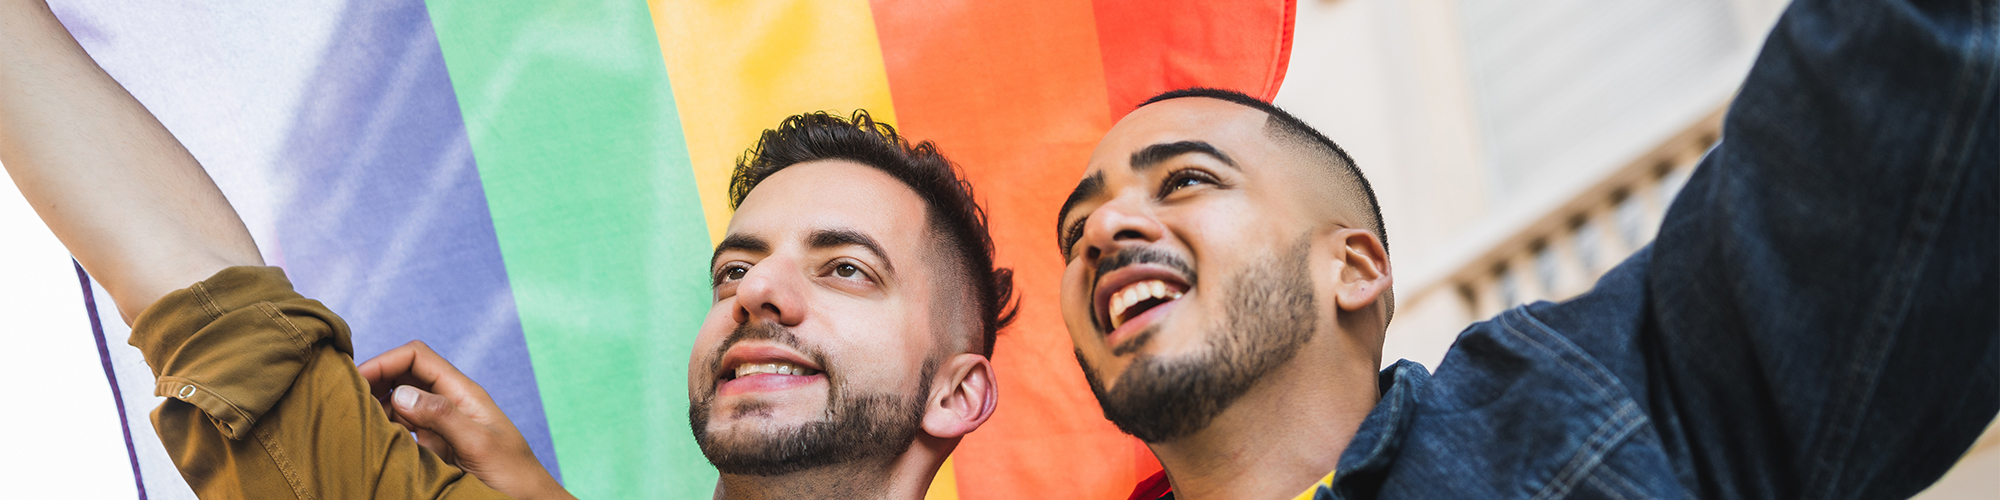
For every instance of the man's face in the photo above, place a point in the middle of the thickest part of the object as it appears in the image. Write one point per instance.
(1188, 275)
(818, 349)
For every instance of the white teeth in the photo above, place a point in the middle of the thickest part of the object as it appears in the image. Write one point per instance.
(748, 369)
(1135, 293)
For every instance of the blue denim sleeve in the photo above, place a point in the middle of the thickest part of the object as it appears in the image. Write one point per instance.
(1821, 301)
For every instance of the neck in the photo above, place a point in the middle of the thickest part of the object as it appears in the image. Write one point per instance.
(1279, 438)
(906, 476)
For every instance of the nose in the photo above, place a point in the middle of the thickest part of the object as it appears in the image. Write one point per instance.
(769, 293)
(1118, 223)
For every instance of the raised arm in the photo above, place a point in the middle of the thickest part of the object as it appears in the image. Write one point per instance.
(1823, 290)
(263, 397)
(120, 192)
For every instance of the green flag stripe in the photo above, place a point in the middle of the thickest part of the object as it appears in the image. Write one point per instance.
(573, 125)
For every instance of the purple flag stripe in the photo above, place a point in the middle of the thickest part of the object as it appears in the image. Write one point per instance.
(333, 128)
(388, 223)
(104, 356)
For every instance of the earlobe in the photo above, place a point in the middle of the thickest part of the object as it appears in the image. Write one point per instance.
(966, 398)
(1361, 269)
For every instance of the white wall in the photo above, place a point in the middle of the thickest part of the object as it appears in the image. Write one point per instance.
(62, 437)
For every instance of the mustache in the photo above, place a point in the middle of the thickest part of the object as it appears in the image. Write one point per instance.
(769, 332)
(1142, 255)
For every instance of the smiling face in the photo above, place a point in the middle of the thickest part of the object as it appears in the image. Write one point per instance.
(1191, 272)
(819, 346)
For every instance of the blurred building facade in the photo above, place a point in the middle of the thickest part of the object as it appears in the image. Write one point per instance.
(1520, 148)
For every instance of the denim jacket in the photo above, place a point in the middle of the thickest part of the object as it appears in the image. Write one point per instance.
(1816, 319)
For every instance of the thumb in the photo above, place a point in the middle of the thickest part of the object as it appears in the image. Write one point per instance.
(433, 413)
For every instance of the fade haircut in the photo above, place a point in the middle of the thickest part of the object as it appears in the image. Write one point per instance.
(1292, 131)
(950, 209)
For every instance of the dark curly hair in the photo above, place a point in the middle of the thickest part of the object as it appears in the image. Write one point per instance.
(952, 210)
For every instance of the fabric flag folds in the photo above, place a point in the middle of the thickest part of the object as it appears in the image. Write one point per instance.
(533, 188)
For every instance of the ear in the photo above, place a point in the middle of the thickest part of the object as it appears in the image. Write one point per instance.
(965, 401)
(1360, 269)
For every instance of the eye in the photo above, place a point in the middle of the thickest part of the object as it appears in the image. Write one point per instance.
(730, 272)
(1183, 179)
(1073, 235)
(846, 270)
(849, 275)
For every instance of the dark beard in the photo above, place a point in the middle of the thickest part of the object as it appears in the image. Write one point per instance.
(856, 428)
(1269, 313)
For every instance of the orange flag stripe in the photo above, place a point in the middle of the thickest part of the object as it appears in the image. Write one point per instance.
(1018, 93)
(1015, 93)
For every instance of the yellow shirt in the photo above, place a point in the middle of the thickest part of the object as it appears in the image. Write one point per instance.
(1325, 483)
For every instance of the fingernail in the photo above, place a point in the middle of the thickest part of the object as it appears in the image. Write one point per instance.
(406, 397)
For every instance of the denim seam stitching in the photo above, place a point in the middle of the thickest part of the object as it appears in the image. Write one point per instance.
(1563, 350)
(1568, 355)
(1556, 353)
(1891, 307)
(1607, 436)
(1606, 487)
(1623, 482)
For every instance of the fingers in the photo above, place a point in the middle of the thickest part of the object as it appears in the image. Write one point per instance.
(387, 370)
(415, 364)
(429, 412)
(429, 440)
(438, 445)
(468, 431)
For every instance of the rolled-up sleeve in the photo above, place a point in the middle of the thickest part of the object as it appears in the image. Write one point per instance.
(264, 400)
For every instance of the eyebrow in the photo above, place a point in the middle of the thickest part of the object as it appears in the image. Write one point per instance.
(1154, 155)
(738, 242)
(841, 237)
(1090, 187)
(1143, 160)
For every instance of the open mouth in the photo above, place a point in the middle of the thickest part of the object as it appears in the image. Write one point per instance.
(755, 369)
(1138, 298)
(1127, 294)
(760, 367)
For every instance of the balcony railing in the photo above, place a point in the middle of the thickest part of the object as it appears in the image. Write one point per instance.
(1562, 252)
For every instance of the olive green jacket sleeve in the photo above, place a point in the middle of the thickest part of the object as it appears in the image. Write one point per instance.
(264, 401)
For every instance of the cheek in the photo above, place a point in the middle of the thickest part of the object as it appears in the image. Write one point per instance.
(1228, 227)
(874, 342)
(720, 321)
(1075, 301)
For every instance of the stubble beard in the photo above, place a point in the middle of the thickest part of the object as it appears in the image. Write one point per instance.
(1268, 315)
(855, 428)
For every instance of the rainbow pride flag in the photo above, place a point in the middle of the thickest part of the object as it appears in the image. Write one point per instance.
(533, 188)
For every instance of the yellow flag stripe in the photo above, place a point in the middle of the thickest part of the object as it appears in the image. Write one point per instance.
(945, 485)
(738, 68)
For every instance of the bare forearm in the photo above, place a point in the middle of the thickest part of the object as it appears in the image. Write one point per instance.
(113, 184)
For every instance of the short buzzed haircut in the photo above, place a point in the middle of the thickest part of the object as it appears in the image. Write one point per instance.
(1292, 131)
(954, 217)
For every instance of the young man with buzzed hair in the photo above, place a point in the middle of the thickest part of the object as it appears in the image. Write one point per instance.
(1815, 318)
(846, 353)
